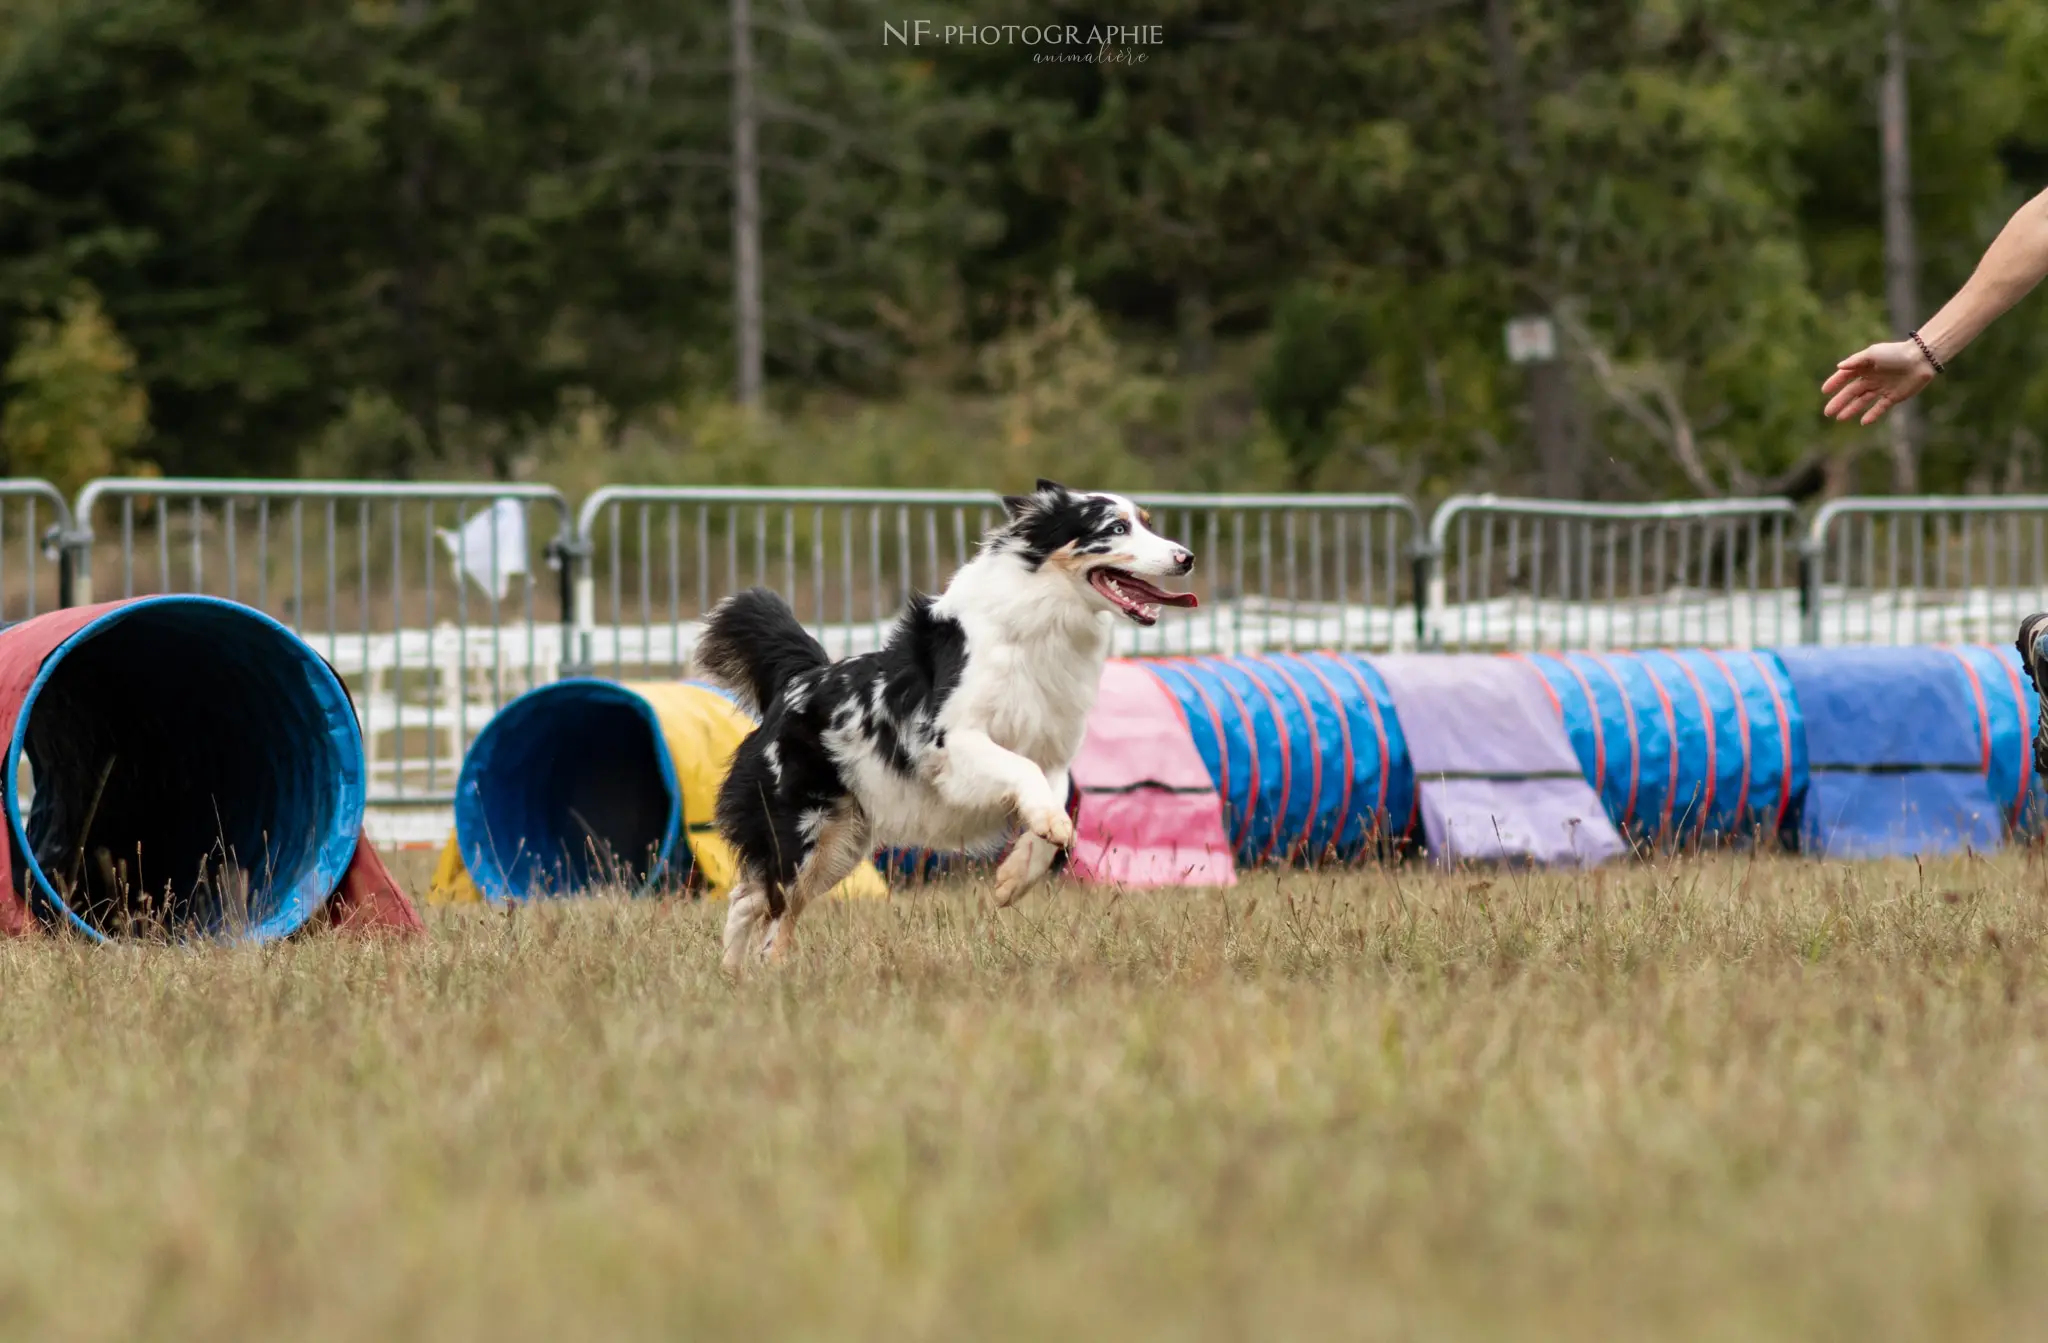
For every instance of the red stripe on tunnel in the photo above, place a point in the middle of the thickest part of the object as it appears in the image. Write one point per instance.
(1635, 746)
(1350, 759)
(1222, 748)
(1706, 716)
(2019, 704)
(1784, 741)
(1379, 729)
(1742, 723)
(1315, 750)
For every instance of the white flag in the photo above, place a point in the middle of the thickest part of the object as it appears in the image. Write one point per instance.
(491, 547)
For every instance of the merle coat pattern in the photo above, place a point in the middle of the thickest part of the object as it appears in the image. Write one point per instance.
(962, 724)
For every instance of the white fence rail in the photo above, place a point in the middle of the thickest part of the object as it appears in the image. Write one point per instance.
(430, 600)
(438, 602)
(1535, 573)
(1924, 570)
(1273, 571)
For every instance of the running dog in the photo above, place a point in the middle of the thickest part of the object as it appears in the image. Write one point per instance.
(963, 723)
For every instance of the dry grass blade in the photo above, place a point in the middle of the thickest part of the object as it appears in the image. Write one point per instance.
(1704, 1099)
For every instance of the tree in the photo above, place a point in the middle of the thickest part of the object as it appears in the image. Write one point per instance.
(74, 410)
(1322, 341)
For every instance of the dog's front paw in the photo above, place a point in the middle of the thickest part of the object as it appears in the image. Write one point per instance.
(1051, 824)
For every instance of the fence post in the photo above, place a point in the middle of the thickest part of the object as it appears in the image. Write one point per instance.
(74, 563)
(1429, 596)
(1810, 554)
(571, 552)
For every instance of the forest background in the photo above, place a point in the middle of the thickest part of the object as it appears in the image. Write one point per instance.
(1261, 247)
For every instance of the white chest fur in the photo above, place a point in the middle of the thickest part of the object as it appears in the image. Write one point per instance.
(1031, 699)
(1034, 662)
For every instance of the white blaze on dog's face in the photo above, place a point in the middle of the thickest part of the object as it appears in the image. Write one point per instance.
(1102, 542)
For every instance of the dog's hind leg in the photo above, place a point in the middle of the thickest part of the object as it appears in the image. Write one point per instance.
(746, 916)
(844, 843)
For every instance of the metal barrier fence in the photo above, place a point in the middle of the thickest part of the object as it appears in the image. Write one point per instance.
(422, 596)
(35, 524)
(1534, 574)
(1924, 570)
(439, 602)
(1273, 571)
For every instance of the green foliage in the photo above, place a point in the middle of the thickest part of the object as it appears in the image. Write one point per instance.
(405, 237)
(1320, 344)
(74, 410)
(1058, 397)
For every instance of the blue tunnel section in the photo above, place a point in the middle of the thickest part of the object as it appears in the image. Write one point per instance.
(1689, 747)
(1305, 750)
(569, 787)
(1899, 753)
(2006, 708)
(197, 771)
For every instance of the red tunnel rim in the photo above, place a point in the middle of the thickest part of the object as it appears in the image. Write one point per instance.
(1344, 733)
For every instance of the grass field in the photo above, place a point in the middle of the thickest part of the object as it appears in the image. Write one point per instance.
(1711, 1100)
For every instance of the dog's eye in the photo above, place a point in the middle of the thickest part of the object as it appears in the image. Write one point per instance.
(1119, 528)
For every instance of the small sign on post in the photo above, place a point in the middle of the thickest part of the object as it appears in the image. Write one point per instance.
(1532, 340)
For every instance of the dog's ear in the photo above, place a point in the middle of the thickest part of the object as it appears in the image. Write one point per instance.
(1016, 505)
(1051, 487)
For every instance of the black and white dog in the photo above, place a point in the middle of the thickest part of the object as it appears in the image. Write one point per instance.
(963, 722)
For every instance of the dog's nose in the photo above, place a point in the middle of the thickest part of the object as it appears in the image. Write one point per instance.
(1183, 560)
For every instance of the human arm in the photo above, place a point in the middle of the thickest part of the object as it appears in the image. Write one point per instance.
(1870, 382)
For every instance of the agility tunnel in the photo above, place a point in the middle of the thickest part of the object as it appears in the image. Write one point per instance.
(2007, 708)
(194, 769)
(1898, 752)
(1692, 747)
(1305, 750)
(1557, 759)
(587, 784)
(1146, 811)
(1496, 776)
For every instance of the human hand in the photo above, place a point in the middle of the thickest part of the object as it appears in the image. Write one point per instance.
(1872, 381)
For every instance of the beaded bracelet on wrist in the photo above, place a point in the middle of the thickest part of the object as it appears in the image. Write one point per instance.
(1914, 336)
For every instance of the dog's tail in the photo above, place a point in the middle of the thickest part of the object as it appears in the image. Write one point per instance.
(753, 644)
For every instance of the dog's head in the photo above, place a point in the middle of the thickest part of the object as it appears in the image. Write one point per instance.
(1102, 543)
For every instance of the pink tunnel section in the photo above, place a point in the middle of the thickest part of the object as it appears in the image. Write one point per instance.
(1149, 813)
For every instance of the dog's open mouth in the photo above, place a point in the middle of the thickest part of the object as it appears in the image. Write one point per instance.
(1134, 596)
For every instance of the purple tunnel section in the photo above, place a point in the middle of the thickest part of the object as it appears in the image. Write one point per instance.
(1496, 774)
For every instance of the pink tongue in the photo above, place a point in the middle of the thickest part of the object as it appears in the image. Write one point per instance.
(1133, 583)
